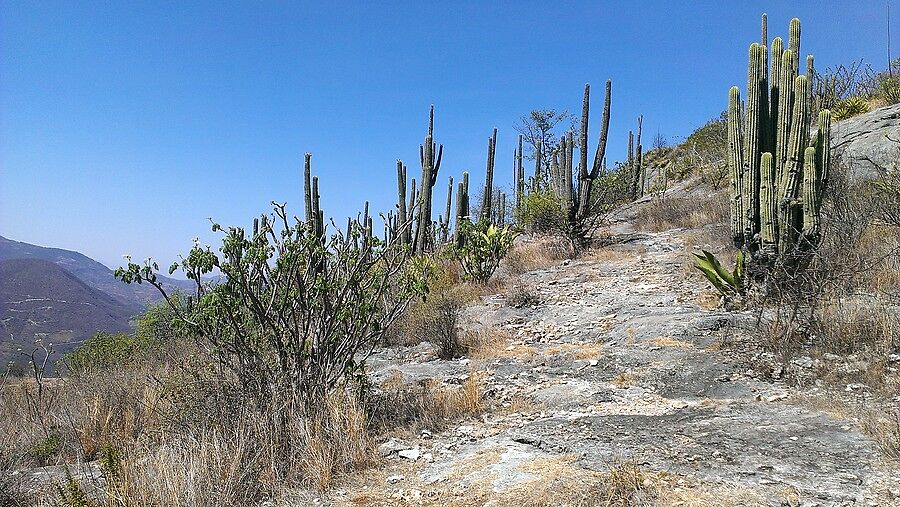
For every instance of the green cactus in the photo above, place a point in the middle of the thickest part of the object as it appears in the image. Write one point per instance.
(486, 196)
(430, 156)
(777, 174)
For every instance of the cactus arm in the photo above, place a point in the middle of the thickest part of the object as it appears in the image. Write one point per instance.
(768, 205)
(735, 163)
(823, 149)
(811, 197)
(752, 147)
(783, 127)
(764, 37)
(794, 45)
(604, 133)
(307, 189)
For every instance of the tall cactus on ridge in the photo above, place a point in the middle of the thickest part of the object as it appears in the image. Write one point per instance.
(430, 158)
(777, 174)
(488, 192)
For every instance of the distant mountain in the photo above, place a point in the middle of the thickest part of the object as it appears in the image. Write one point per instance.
(40, 299)
(89, 271)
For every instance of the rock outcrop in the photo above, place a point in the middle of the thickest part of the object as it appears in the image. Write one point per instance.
(870, 142)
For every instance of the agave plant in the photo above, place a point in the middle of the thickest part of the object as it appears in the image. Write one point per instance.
(728, 283)
(850, 107)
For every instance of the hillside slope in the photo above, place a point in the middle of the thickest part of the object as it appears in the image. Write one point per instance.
(89, 271)
(39, 299)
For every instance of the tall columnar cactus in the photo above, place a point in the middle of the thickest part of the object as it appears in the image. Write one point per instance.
(462, 208)
(636, 162)
(313, 217)
(445, 224)
(488, 191)
(520, 171)
(402, 221)
(777, 175)
(430, 157)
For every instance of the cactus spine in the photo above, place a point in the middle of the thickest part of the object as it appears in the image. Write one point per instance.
(777, 178)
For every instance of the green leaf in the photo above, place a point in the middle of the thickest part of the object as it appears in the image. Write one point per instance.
(723, 273)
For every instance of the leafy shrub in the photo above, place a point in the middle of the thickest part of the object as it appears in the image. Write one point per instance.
(541, 211)
(297, 311)
(71, 494)
(850, 107)
(483, 247)
(889, 90)
(104, 351)
(45, 450)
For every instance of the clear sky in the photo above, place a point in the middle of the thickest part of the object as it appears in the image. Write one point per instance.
(124, 125)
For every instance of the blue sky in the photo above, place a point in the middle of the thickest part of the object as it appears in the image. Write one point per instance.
(124, 125)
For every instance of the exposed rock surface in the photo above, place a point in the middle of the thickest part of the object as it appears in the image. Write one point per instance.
(870, 141)
(621, 361)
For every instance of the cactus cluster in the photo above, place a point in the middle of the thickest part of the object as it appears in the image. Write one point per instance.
(778, 173)
(314, 217)
(575, 195)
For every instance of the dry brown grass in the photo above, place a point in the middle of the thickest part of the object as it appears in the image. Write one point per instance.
(431, 404)
(575, 351)
(884, 428)
(532, 253)
(492, 343)
(668, 341)
(666, 212)
(624, 380)
(561, 482)
(522, 296)
(558, 481)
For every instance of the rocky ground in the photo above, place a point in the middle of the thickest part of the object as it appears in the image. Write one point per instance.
(623, 362)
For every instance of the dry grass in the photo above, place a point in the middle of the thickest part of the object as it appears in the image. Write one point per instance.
(575, 351)
(532, 253)
(665, 212)
(668, 341)
(561, 482)
(166, 453)
(558, 481)
(624, 380)
(522, 296)
(884, 428)
(492, 343)
(431, 404)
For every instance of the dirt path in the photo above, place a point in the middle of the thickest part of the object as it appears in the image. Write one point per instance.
(619, 367)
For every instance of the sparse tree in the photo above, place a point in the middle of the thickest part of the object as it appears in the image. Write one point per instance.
(542, 129)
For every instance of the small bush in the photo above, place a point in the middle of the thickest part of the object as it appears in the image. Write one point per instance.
(889, 90)
(46, 449)
(522, 296)
(541, 211)
(430, 404)
(433, 318)
(105, 351)
(483, 247)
